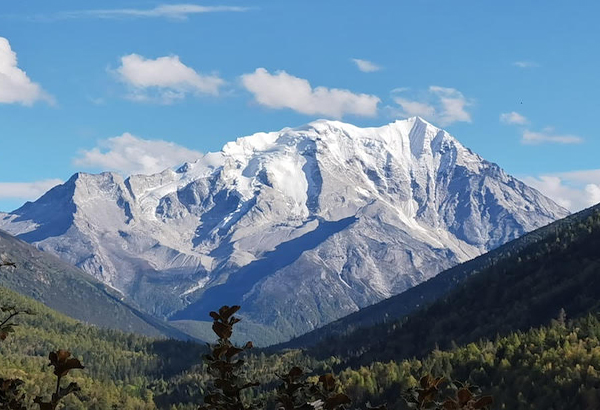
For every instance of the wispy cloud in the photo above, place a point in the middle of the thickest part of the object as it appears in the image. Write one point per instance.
(574, 190)
(164, 79)
(169, 11)
(366, 66)
(513, 118)
(129, 154)
(26, 190)
(440, 105)
(282, 90)
(548, 136)
(525, 64)
(15, 86)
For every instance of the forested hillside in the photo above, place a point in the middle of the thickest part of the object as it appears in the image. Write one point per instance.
(73, 292)
(552, 367)
(524, 328)
(120, 367)
(523, 284)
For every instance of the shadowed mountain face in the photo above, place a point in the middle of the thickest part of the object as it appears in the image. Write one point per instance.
(72, 292)
(301, 226)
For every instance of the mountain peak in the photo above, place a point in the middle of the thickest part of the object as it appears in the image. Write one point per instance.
(328, 216)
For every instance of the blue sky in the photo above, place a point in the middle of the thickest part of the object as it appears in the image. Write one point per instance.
(133, 86)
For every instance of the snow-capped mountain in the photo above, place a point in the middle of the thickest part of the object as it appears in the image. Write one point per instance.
(300, 226)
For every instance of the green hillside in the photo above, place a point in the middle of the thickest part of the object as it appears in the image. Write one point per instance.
(502, 327)
(524, 284)
(551, 367)
(73, 292)
(554, 367)
(120, 367)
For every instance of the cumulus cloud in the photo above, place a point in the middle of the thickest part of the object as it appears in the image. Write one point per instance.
(548, 136)
(525, 64)
(440, 105)
(15, 85)
(366, 66)
(169, 11)
(128, 154)
(26, 190)
(282, 90)
(513, 118)
(164, 79)
(574, 190)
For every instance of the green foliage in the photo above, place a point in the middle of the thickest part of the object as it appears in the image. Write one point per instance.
(121, 369)
(11, 396)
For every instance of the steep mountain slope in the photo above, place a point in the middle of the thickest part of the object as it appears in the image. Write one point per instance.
(302, 226)
(520, 285)
(396, 307)
(72, 292)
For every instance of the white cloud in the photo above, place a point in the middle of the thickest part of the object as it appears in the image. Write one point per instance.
(26, 190)
(366, 66)
(525, 64)
(15, 85)
(164, 80)
(282, 90)
(513, 118)
(170, 11)
(129, 154)
(440, 105)
(415, 108)
(574, 190)
(547, 136)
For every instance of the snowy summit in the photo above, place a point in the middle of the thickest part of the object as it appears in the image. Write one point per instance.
(302, 225)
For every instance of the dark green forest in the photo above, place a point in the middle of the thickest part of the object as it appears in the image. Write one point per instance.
(551, 367)
(525, 329)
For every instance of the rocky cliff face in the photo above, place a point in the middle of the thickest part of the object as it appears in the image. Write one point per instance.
(301, 226)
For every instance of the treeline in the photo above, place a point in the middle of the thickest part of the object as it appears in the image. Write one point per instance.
(551, 367)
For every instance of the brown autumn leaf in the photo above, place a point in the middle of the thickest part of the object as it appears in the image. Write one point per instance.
(232, 351)
(464, 396)
(222, 330)
(337, 400)
(483, 402)
(226, 312)
(450, 404)
(328, 381)
(62, 362)
(295, 372)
